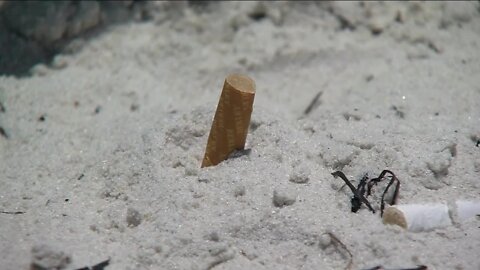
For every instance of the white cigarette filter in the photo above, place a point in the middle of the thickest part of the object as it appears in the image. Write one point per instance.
(467, 209)
(418, 217)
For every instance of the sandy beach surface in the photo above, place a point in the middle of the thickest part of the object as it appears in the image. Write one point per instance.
(100, 151)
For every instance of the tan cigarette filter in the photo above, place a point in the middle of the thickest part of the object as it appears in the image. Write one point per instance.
(418, 217)
(232, 119)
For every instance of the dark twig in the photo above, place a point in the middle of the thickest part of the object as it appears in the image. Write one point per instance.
(314, 103)
(339, 243)
(398, 112)
(356, 201)
(393, 179)
(358, 197)
(395, 194)
(12, 212)
(99, 266)
(3, 133)
(362, 184)
(379, 267)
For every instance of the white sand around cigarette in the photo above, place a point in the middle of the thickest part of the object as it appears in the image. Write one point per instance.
(118, 176)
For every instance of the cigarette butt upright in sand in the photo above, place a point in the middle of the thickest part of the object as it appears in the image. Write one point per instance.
(231, 121)
(418, 217)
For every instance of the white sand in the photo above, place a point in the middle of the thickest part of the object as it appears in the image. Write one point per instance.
(132, 177)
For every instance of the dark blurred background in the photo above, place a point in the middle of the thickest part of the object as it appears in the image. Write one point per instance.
(33, 32)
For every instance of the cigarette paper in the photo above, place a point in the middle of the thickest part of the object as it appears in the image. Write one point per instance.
(232, 119)
(418, 217)
(467, 209)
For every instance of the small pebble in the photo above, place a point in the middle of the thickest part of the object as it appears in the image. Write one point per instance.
(191, 171)
(213, 236)
(239, 191)
(59, 62)
(325, 240)
(134, 218)
(39, 70)
(440, 163)
(157, 249)
(217, 249)
(283, 197)
(134, 107)
(203, 177)
(47, 257)
(300, 175)
(93, 228)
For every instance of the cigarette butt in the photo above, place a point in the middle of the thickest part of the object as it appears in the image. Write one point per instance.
(467, 209)
(232, 119)
(418, 217)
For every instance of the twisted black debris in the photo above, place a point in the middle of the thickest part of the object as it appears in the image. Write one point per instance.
(359, 196)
